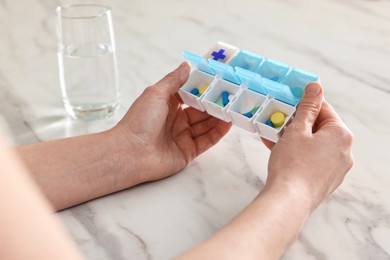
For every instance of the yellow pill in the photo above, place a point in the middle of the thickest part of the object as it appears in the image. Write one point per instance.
(203, 88)
(277, 119)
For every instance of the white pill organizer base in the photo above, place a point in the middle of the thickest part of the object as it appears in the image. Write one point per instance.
(252, 81)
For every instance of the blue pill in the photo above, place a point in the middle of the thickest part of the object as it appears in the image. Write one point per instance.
(225, 98)
(248, 114)
(195, 91)
(269, 123)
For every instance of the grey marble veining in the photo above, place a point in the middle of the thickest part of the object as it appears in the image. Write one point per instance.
(14, 118)
(346, 42)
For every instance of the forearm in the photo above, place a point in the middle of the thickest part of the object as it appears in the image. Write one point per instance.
(309, 162)
(74, 170)
(264, 230)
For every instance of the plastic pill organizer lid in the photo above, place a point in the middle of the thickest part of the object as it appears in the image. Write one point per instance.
(298, 79)
(252, 80)
(198, 62)
(266, 86)
(247, 60)
(273, 70)
(280, 91)
(225, 71)
(225, 52)
(289, 90)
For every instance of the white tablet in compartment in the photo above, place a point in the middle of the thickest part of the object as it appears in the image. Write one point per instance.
(244, 109)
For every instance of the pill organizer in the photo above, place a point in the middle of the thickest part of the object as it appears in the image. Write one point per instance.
(257, 87)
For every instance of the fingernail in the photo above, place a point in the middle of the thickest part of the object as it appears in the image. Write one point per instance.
(313, 89)
(184, 70)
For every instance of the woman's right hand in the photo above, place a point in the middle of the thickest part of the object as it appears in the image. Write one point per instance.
(314, 154)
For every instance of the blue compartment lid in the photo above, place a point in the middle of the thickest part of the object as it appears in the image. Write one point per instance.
(247, 60)
(198, 62)
(225, 71)
(273, 70)
(280, 91)
(297, 80)
(252, 80)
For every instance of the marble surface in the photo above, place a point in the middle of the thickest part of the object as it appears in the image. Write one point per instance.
(346, 42)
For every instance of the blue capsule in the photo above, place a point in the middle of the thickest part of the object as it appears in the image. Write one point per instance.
(225, 98)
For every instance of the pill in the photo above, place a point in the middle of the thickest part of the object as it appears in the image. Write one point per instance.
(198, 95)
(194, 91)
(203, 88)
(269, 123)
(219, 103)
(230, 97)
(277, 119)
(255, 109)
(246, 108)
(248, 114)
(225, 98)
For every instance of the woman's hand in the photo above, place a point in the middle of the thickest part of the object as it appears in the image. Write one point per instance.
(315, 152)
(155, 139)
(308, 163)
(162, 134)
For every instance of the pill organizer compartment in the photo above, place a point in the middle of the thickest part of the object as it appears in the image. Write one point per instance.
(279, 91)
(247, 60)
(245, 102)
(297, 80)
(222, 52)
(272, 106)
(273, 70)
(213, 95)
(225, 71)
(252, 81)
(195, 80)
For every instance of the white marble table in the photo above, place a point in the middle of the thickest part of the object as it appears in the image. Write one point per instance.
(346, 42)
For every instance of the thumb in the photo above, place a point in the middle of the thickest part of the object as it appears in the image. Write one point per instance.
(171, 83)
(309, 107)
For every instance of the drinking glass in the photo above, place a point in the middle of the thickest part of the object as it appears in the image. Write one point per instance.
(87, 61)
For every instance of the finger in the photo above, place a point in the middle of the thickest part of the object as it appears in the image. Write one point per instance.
(327, 115)
(309, 107)
(212, 137)
(195, 116)
(327, 111)
(204, 126)
(171, 83)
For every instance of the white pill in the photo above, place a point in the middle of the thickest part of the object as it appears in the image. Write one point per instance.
(246, 108)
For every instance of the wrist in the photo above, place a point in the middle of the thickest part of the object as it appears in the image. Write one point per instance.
(292, 193)
(126, 158)
(270, 223)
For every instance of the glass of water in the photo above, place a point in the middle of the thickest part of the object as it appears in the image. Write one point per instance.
(87, 61)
